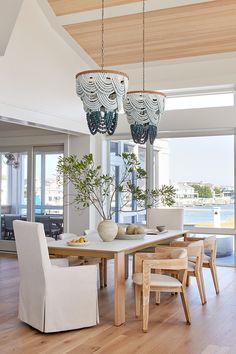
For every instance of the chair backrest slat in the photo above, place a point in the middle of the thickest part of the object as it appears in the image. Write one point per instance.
(166, 259)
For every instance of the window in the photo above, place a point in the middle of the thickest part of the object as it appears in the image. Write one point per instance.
(201, 169)
(202, 172)
(114, 147)
(200, 101)
(48, 194)
(129, 214)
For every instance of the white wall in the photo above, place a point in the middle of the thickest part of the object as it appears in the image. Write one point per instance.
(37, 74)
(183, 121)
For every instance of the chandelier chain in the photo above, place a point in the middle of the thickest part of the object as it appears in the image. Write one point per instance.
(143, 45)
(102, 47)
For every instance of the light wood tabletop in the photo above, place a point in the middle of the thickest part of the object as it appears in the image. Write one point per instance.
(116, 249)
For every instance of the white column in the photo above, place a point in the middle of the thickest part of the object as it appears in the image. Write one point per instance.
(76, 221)
(149, 165)
(99, 151)
(149, 169)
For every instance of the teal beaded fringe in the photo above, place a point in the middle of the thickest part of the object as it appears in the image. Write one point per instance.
(99, 123)
(141, 132)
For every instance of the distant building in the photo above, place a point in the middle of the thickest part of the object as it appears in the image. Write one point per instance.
(184, 190)
(228, 192)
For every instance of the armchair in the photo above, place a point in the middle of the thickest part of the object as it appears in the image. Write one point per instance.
(195, 251)
(208, 261)
(145, 281)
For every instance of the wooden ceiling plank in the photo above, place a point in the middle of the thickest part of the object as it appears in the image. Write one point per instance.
(200, 29)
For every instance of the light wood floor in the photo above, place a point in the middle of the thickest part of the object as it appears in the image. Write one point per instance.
(213, 329)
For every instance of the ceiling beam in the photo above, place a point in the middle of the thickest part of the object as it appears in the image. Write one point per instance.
(65, 7)
(130, 8)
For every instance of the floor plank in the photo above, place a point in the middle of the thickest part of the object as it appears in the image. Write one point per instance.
(213, 329)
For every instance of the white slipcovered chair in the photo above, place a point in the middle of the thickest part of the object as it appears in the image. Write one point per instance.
(52, 298)
(172, 218)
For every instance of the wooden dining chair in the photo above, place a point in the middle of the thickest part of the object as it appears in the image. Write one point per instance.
(145, 281)
(195, 251)
(209, 261)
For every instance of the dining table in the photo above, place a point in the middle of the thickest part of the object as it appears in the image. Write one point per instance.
(116, 249)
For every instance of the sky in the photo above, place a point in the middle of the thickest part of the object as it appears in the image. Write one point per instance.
(206, 159)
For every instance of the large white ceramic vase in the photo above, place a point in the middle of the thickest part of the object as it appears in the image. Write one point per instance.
(107, 230)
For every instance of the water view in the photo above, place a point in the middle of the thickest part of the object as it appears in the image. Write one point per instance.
(204, 216)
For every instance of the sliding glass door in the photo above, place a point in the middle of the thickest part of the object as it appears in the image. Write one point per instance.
(14, 191)
(29, 191)
(48, 194)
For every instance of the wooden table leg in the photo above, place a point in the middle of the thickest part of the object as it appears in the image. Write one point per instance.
(119, 285)
(126, 266)
(186, 235)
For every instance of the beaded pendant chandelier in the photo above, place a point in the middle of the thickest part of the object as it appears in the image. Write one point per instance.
(144, 108)
(12, 160)
(102, 93)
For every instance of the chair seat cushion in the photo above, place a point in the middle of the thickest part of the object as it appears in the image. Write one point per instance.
(157, 280)
(191, 266)
(206, 259)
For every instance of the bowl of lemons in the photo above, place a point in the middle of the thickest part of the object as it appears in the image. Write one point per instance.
(131, 232)
(81, 241)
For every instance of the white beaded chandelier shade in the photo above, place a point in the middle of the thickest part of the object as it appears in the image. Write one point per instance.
(144, 108)
(102, 93)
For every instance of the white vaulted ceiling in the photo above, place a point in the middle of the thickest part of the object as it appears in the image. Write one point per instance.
(8, 15)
